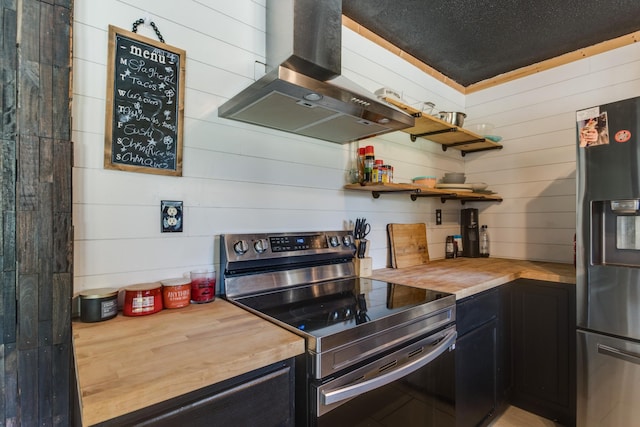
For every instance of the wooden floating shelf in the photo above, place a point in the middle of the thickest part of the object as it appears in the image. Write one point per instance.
(416, 191)
(441, 132)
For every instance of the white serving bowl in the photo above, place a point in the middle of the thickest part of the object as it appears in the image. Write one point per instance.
(479, 186)
(454, 178)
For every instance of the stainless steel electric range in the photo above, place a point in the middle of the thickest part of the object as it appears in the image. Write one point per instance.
(376, 352)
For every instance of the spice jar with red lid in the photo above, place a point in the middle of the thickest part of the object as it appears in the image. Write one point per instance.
(142, 299)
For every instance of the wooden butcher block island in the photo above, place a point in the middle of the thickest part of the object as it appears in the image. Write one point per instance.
(128, 363)
(468, 276)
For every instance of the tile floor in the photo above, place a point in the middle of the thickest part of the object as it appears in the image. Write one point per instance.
(516, 417)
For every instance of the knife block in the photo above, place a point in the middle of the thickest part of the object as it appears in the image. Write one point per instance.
(359, 242)
(363, 266)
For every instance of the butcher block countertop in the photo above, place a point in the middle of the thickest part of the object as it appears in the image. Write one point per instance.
(467, 276)
(128, 363)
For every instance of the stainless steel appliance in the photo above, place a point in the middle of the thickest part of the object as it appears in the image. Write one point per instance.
(303, 91)
(376, 352)
(608, 265)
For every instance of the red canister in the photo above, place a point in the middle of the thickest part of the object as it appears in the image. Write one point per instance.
(203, 286)
(142, 299)
(176, 293)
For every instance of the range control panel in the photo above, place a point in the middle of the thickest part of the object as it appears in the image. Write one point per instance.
(298, 243)
(245, 247)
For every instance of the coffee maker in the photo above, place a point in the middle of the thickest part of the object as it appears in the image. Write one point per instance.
(470, 233)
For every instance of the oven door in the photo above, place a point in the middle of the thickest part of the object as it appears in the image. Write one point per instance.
(413, 386)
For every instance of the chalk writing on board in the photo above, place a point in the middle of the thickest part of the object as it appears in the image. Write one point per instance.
(146, 108)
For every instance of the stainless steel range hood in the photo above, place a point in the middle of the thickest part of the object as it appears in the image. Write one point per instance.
(304, 92)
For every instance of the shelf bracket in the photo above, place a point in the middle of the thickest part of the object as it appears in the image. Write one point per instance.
(453, 196)
(414, 193)
(443, 197)
(463, 200)
(415, 136)
(496, 147)
(463, 152)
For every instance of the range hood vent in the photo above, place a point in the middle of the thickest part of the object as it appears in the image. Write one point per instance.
(304, 93)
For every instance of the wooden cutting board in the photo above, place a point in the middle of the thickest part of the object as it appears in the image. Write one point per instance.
(408, 243)
(392, 257)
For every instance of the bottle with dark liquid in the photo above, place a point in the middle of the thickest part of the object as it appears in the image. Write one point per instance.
(484, 241)
(449, 248)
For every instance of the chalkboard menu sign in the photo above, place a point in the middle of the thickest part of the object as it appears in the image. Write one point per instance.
(145, 105)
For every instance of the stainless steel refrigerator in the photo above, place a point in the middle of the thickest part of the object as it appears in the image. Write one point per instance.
(608, 265)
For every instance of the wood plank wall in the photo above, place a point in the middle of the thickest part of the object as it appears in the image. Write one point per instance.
(36, 249)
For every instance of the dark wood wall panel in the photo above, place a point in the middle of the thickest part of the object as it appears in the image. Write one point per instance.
(8, 59)
(36, 247)
(61, 402)
(46, 385)
(45, 114)
(62, 288)
(27, 311)
(45, 258)
(61, 110)
(63, 156)
(8, 128)
(28, 375)
(11, 402)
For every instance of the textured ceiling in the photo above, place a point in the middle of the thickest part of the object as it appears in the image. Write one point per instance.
(470, 41)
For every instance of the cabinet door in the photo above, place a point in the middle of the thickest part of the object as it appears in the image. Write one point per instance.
(476, 375)
(260, 398)
(543, 340)
(479, 358)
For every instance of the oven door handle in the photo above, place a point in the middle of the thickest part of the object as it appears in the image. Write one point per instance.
(333, 396)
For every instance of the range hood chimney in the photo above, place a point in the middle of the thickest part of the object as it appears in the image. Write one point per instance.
(304, 92)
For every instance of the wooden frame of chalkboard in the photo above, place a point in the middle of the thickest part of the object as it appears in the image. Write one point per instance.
(145, 105)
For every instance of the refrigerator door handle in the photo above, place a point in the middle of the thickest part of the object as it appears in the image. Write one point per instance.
(619, 354)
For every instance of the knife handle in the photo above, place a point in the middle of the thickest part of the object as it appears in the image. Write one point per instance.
(362, 248)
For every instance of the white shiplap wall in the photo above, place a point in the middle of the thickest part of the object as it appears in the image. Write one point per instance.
(243, 178)
(535, 171)
(236, 177)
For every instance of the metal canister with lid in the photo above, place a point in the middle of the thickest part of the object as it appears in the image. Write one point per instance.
(99, 304)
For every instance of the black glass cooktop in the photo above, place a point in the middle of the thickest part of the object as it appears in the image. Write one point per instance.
(326, 308)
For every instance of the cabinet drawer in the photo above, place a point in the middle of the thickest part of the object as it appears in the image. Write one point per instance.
(477, 310)
(263, 397)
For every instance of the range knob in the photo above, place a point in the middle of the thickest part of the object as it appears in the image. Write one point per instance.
(334, 241)
(347, 240)
(240, 247)
(261, 245)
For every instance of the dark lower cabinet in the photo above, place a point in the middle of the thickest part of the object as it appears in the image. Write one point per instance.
(479, 358)
(544, 350)
(476, 370)
(516, 345)
(261, 398)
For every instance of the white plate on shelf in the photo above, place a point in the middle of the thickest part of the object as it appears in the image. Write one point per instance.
(457, 187)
